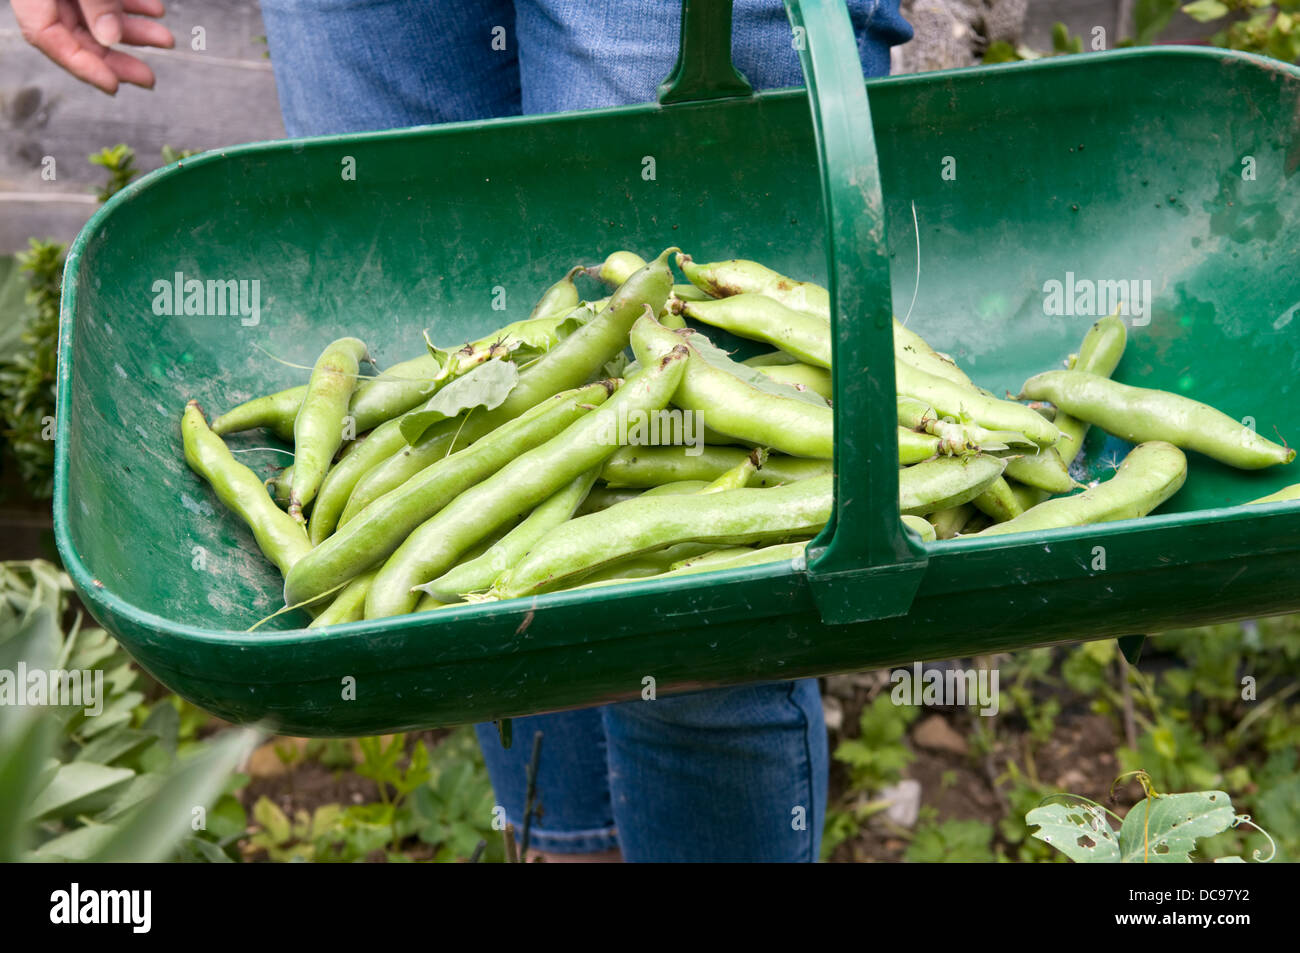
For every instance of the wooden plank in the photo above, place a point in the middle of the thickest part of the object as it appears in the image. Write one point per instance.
(59, 219)
(201, 102)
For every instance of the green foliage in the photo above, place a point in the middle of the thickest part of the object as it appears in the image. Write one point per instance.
(1023, 795)
(1161, 828)
(27, 369)
(1255, 26)
(29, 331)
(952, 842)
(878, 755)
(119, 162)
(1063, 43)
(440, 798)
(122, 784)
(171, 155)
(1150, 17)
(876, 758)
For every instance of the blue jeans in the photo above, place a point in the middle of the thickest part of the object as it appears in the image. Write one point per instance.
(360, 65)
(728, 774)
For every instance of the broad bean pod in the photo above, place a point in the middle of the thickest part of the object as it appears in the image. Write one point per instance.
(349, 605)
(531, 477)
(1151, 473)
(653, 466)
(760, 318)
(573, 361)
(1143, 414)
(722, 279)
(279, 536)
(382, 526)
(961, 403)
(480, 573)
(734, 406)
(642, 525)
(946, 482)
(318, 428)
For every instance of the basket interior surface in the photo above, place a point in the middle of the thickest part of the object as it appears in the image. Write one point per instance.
(1123, 167)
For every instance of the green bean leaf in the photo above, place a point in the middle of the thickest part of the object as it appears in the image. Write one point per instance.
(485, 386)
(719, 358)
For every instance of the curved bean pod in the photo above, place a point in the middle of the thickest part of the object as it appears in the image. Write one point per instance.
(279, 536)
(517, 487)
(653, 563)
(1044, 470)
(573, 361)
(1100, 354)
(638, 526)
(741, 475)
(394, 391)
(946, 482)
(734, 557)
(480, 573)
(617, 267)
(342, 478)
(915, 447)
(1142, 414)
(380, 528)
(948, 523)
(318, 429)
(276, 412)
(735, 407)
(802, 376)
(921, 527)
(653, 466)
(621, 265)
(1286, 493)
(999, 502)
(912, 348)
(561, 296)
(375, 400)
(960, 402)
(760, 318)
(722, 279)
(1150, 474)
(349, 605)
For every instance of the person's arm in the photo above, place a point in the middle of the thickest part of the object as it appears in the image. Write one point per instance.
(78, 34)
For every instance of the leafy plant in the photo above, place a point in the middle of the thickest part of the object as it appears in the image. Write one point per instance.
(1161, 828)
(1063, 43)
(1255, 26)
(119, 162)
(27, 373)
(110, 786)
(875, 758)
(878, 755)
(435, 799)
(952, 842)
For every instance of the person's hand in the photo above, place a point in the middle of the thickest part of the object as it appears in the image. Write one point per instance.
(77, 35)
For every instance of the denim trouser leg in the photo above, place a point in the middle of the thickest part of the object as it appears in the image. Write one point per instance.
(361, 65)
(735, 773)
